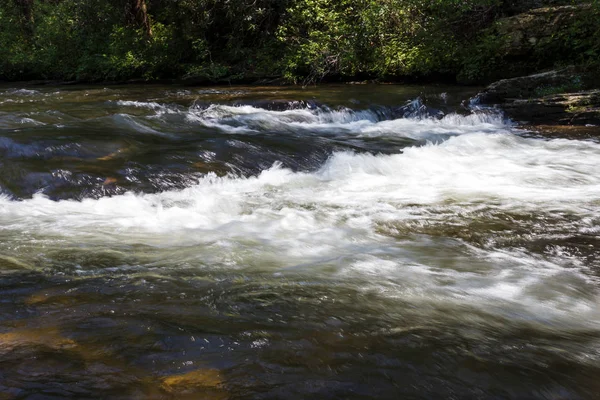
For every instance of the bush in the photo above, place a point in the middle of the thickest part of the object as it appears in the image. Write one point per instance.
(302, 40)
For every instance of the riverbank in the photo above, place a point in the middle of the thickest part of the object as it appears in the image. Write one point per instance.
(293, 41)
(569, 96)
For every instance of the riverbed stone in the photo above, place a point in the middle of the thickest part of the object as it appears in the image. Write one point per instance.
(207, 381)
(50, 338)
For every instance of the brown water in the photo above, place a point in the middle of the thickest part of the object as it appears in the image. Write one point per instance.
(335, 242)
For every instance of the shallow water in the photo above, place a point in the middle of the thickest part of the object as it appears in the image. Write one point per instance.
(248, 242)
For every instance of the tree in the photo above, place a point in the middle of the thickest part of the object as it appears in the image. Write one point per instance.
(137, 13)
(25, 8)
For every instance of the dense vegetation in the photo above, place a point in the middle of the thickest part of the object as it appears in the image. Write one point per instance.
(299, 40)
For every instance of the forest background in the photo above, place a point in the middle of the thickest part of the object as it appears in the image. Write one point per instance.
(291, 41)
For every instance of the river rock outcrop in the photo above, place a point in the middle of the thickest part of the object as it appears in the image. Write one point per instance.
(578, 108)
(530, 86)
(559, 97)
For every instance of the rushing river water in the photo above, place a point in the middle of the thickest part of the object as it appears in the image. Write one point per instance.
(268, 243)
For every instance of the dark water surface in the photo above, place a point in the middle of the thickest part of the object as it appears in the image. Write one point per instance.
(339, 242)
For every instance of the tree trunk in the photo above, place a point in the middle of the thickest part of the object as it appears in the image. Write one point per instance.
(26, 10)
(137, 13)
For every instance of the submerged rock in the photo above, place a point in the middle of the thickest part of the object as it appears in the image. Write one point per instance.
(207, 382)
(49, 338)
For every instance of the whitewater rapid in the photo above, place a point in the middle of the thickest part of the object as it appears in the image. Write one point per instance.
(503, 170)
(354, 244)
(381, 219)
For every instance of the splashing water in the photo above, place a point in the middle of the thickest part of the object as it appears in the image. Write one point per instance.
(309, 248)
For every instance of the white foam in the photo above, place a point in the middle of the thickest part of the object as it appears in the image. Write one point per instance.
(140, 104)
(286, 220)
(21, 92)
(512, 171)
(323, 121)
(159, 108)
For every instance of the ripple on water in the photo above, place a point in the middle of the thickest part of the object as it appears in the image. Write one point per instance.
(268, 249)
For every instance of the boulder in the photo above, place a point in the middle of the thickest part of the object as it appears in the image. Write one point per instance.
(529, 86)
(550, 98)
(578, 108)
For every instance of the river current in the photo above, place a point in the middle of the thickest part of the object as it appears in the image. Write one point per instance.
(340, 242)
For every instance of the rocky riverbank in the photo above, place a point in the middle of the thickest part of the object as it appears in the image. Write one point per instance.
(560, 97)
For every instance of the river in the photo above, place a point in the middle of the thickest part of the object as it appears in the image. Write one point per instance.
(340, 242)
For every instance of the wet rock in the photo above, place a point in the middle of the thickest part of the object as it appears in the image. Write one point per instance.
(579, 108)
(201, 377)
(548, 98)
(209, 382)
(565, 131)
(50, 338)
(525, 87)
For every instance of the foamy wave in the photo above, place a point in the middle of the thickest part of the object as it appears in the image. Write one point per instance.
(139, 104)
(370, 123)
(413, 120)
(332, 218)
(508, 170)
(21, 92)
(150, 105)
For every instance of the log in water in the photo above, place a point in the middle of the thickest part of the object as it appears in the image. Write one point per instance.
(336, 242)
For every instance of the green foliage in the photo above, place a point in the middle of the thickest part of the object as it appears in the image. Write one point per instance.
(483, 59)
(380, 38)
(568, 37)
(580, 38)
(302, 40)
